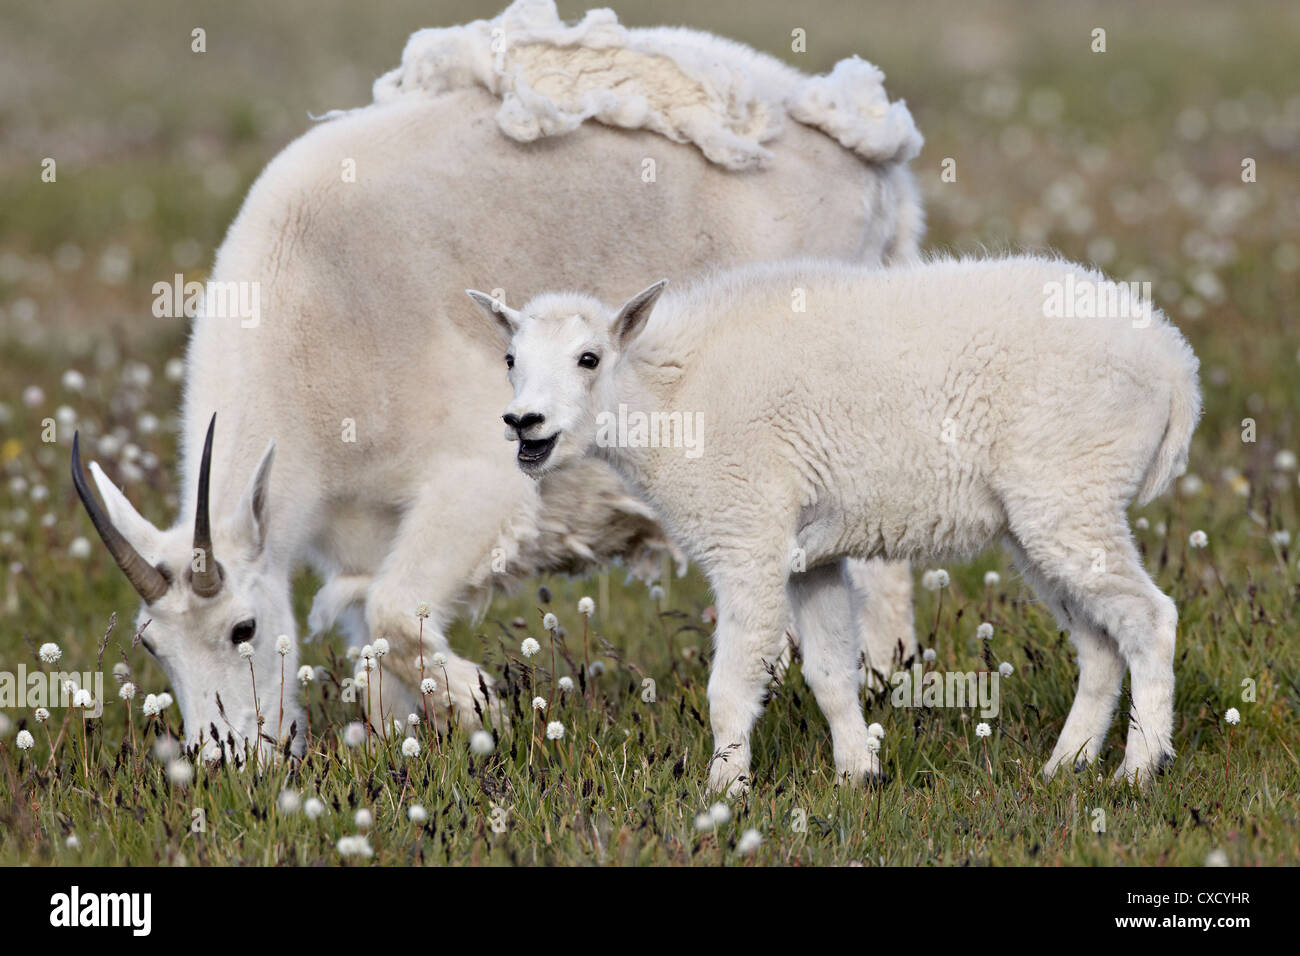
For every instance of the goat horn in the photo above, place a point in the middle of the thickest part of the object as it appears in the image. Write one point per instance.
(208, 581)
(144, 577)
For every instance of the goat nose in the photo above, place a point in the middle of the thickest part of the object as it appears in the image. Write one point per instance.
(527, 421)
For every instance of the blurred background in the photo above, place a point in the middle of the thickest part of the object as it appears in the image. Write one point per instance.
(1131, 159)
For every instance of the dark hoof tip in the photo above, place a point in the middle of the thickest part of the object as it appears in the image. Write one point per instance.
(1164, 762)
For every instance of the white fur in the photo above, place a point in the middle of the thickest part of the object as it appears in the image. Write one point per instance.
(689, 86)
(922, 411)
(363, 319)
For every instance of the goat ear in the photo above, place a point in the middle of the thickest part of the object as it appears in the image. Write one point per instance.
(507, 318)
(138, 530)
(631, 318)
(252, 516)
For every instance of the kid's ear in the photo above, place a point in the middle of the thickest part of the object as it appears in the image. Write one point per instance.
(631, 318)
(506, 317)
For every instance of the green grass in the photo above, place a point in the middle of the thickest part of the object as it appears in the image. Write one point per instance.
(624, 786)
(1040, 128)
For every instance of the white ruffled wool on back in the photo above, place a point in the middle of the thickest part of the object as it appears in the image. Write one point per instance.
(692, 87)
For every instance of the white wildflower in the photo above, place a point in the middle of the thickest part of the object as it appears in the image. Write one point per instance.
(566, 684)
(24, 740)
(50, 653)
(720, 813)
(381, 646)
(428, 686)
(354, 734)
(529, 647)
(555, 730)
(126, 691)
(749, 841)
(245, 650)
(422, 610)
(550, 622)
(289, 802)
(355, 846)
(417, 814)
(984, 632)
(306, 674)
(539, 703)
(875, 730)
(283, 645)
(364, 819)
(481, 743)
(1005, 669)
(1233, 716)
(313, 808)
(1198, 539)
(929, 655)
(992, 579)
(983, 730)
(586, 606)
(79, 548)
(410, 747)
(180, 773)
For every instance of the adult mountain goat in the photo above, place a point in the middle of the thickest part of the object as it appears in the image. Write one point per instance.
(370, 379)
(915, 412)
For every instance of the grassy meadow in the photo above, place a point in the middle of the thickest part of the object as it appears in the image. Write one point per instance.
(1131, 159)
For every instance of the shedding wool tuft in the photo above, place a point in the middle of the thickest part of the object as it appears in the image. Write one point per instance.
(691, 87)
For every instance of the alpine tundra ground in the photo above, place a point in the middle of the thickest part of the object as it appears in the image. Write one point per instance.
(1132, 158)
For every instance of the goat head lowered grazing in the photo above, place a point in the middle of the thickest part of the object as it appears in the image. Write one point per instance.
(920, 411)
(207, 590)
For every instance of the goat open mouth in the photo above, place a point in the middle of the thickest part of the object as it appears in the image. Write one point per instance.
(534, 451)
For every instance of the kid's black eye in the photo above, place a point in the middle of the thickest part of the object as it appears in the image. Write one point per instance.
(510, 361)
(589, 360)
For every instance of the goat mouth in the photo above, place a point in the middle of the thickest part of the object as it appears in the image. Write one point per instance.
(534, 451)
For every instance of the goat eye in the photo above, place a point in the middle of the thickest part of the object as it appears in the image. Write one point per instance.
(589, 360)
(243, 631)
(510, 361)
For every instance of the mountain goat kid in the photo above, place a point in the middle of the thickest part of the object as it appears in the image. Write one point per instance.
(912, 413)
